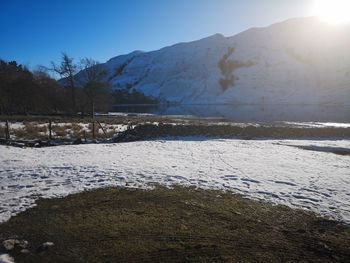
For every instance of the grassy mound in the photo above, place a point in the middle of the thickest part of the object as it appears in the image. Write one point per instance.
(149, 131)
(174, 225)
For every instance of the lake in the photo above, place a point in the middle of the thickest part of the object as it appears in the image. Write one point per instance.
(247, 113)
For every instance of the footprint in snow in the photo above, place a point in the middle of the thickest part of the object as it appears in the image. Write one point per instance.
(250, 180)
(229, 177)
(286, 183)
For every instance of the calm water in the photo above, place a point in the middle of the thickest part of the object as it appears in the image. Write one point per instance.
(248, 113)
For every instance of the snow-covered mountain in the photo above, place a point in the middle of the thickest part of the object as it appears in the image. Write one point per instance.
(299, 61)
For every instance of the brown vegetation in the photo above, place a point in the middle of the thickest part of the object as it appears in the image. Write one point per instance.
(149, 131)
(174, 225)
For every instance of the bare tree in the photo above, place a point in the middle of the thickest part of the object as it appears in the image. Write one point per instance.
(94, 82)
(67, 70)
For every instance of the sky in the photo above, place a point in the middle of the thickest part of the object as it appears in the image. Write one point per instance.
(35, 32)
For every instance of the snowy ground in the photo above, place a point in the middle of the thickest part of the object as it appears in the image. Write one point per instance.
(271, 170)
(318, 124)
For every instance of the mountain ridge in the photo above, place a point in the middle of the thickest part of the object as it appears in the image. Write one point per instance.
(297, 61)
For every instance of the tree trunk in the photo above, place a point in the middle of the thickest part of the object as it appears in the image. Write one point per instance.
(93, 110)
(72, 86)
(7, 131)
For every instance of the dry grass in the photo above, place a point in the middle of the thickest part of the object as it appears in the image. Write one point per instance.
(77, 131)
(111, 132)
(174, 225)
(99, 134)
(36, 130)
(30, 131)
(59, 131)
(20, 133)
(191, 127)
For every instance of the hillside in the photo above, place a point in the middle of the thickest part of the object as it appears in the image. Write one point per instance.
(298, 61)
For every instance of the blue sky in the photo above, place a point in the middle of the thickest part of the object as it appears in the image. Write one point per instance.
(35, 32)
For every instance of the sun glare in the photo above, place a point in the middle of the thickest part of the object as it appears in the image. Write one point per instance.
(332, 11)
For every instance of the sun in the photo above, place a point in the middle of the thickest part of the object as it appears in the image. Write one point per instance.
(332, 11)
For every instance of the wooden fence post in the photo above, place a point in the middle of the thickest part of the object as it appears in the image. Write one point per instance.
(93, 121)
(104, 132)
(50, 130)
(7, 131)
(93, 130)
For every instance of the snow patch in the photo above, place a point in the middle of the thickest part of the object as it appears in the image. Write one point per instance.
(268, 170)
(6, 258)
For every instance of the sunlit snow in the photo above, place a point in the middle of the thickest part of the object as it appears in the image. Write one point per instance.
(270, 170)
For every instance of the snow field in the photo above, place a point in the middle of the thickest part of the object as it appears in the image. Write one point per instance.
(269, 170)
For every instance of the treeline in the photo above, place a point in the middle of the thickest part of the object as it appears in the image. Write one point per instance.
(134, 97)
(83, 89)
(25, 92)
